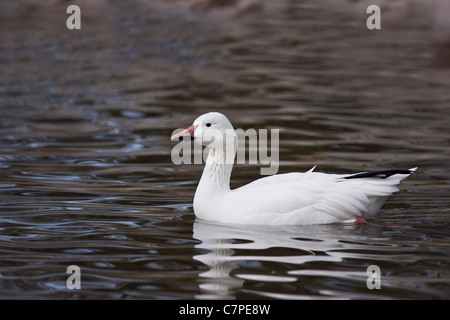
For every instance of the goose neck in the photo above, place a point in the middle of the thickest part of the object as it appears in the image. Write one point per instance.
(218, 167)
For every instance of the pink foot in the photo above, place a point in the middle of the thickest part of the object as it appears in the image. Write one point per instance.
(362, 221)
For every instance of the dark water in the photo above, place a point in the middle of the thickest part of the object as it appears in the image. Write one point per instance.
(86, 176)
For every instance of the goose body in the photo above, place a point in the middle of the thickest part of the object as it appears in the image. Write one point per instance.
(283, 199)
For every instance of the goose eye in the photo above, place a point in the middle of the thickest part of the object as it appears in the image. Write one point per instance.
(208, 124)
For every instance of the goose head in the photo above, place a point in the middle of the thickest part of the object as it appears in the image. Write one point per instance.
(212, 130)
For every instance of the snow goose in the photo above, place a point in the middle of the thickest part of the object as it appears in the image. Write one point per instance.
(282, 199)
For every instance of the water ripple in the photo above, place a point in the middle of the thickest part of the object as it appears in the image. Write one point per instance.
(86, 176)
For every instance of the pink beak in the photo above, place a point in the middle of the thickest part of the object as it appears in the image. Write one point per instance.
(186, 132)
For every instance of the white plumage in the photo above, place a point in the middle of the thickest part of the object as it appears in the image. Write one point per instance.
(283, 199)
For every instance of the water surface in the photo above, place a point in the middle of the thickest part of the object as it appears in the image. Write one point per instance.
(86, 176)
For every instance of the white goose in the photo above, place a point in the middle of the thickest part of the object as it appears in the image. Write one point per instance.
(282, 199)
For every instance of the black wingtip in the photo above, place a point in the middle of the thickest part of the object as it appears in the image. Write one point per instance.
(380, 174)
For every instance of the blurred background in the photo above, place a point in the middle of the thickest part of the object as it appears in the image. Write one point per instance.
(86, 117)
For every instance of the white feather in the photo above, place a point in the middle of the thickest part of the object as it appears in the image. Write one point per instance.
(291, 198)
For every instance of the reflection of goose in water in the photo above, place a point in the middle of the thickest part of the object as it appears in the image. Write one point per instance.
(230, 246)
